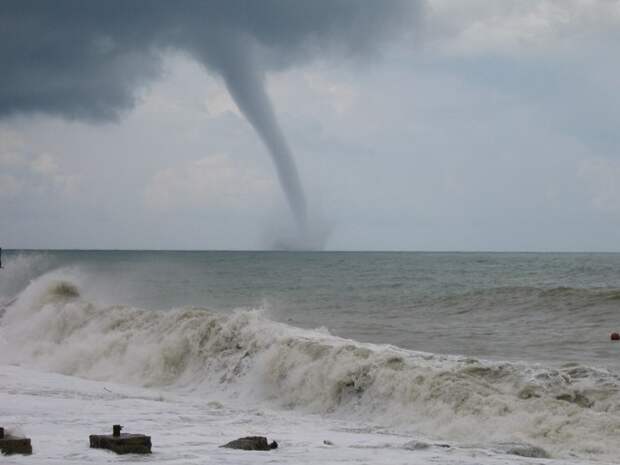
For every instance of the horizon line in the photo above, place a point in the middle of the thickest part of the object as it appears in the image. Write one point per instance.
(446, 251)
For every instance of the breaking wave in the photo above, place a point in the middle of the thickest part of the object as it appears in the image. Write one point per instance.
(571, 410)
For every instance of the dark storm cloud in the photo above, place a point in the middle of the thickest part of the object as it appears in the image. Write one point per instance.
(85, 59)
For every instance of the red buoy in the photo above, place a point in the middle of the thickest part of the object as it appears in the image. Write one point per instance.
(615, 336)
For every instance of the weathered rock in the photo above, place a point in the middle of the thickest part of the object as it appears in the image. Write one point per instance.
(251, 443)
(12, 445)
(121, 443)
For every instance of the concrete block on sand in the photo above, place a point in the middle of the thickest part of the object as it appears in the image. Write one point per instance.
(121, 443)
(10, 444)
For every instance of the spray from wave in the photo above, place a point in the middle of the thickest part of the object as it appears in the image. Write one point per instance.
(244, 355)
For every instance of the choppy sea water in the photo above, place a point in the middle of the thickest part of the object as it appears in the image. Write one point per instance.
(382, 354)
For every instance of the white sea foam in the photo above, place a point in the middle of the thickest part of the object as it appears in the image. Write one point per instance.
(59, 412)
(244, 356)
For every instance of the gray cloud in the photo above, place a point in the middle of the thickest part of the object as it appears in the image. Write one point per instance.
(85, 60)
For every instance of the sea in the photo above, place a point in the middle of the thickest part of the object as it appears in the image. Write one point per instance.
(340, 357)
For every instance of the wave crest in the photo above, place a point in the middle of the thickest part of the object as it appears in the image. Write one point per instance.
(63, 289)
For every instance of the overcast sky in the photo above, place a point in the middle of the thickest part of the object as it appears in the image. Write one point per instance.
(438, 125)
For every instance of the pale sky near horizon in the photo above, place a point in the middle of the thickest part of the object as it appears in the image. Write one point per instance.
(481, 125)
